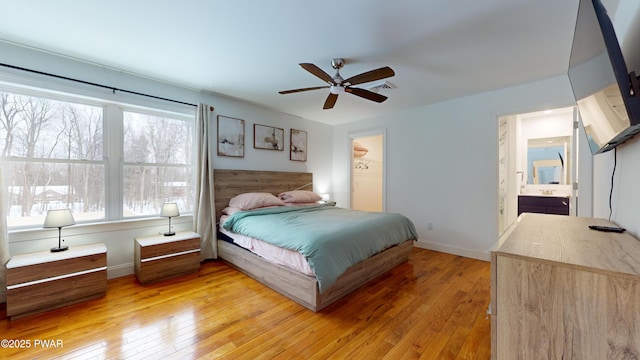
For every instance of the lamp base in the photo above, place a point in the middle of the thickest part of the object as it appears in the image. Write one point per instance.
(60, 248)
(170, 233)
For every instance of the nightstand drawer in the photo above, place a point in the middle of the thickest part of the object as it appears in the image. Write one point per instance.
(55, 268)
(55, 293)
(172, 247)
(160, 257)
(164, 268)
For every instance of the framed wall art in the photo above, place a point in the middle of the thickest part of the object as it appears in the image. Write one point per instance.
(298, 151)
(230, 136)
(268, 137)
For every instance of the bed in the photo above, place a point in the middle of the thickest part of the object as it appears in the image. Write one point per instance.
(303, 289)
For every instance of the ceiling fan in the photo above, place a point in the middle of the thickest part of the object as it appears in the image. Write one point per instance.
(338, 85)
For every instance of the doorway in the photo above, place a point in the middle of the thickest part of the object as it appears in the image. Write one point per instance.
(537, 156)
(367, 172)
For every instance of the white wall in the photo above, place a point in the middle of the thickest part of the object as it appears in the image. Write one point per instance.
(318, 142)
(118, 236)
(442, 162)
(625, 201)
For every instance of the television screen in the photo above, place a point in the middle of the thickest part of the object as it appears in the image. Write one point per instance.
(609, 110)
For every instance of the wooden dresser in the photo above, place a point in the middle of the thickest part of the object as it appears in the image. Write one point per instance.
(159, 257)
(562, 291)
(44, 280)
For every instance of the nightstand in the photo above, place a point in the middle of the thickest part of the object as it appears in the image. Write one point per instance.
(160, 257)
(42, 281)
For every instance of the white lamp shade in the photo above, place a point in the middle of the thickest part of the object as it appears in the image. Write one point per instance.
(58, 218)
(169, 210)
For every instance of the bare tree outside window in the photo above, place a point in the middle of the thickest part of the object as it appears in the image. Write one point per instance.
(158, 156)
(55, 152)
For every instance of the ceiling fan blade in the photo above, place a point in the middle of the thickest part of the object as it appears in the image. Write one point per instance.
(317, 72)
(303, 89)
(369, 95)
(331, 100)
(373, 75)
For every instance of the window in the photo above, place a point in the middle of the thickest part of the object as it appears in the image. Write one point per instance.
(66, 152)
(157, 158)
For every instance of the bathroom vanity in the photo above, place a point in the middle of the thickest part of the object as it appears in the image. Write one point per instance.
(543, 204)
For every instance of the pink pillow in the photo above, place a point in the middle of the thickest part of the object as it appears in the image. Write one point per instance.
(248, 201)
(299, 196)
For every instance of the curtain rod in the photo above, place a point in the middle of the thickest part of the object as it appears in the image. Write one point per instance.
(114, 89)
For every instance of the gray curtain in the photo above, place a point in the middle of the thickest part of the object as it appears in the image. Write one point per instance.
(204, 212)
(4, 236)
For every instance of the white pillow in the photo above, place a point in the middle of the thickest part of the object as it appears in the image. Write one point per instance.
(299, 196)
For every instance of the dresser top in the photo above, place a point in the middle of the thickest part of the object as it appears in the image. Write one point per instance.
(48, 256)
(569, 241)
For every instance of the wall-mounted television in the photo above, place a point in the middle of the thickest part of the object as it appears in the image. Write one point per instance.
(607, 94)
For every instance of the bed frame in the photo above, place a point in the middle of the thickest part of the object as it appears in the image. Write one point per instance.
(298, 287)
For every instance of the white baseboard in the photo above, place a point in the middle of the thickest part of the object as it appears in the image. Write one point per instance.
(485, 256)
(120, 270)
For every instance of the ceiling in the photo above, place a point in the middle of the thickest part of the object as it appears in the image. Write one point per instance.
(250, 49)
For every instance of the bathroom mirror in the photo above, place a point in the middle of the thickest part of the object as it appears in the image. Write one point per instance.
(547, 160)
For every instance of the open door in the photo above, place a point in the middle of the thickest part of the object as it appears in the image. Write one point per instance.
(537, 157)
(367, 173)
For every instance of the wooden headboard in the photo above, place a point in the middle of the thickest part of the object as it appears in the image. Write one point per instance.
(229, 183)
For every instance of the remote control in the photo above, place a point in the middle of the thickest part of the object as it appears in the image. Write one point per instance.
(607, 228)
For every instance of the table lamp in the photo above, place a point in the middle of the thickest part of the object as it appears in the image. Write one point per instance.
(169, 210)
(59, 218)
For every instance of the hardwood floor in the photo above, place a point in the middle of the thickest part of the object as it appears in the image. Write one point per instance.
(433, 307)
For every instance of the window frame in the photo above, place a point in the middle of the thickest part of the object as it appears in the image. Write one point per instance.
(112, 142)
(123, 163)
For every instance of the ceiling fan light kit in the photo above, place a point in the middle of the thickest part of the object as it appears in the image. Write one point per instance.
(335, 89)
(337, 85)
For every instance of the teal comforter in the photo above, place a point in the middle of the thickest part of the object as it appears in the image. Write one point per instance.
(330, 238)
